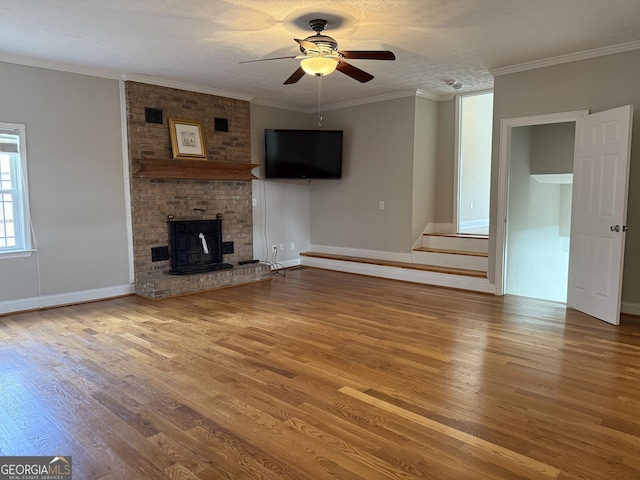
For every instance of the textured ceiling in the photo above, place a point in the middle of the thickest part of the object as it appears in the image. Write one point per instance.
(200, 42)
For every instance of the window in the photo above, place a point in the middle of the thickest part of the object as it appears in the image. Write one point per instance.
(475, 121)
(15, 230)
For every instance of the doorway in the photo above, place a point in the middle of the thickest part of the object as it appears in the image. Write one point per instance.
(539, 211)
(507, 128)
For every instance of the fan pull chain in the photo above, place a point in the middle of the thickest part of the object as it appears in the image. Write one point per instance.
(319, 100)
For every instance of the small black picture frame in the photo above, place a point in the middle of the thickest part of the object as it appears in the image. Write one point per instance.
(220, 124)
(152, 115)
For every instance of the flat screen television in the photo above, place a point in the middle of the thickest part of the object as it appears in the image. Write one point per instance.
(302, 153)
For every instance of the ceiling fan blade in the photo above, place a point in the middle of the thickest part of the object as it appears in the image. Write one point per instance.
(265, 59)
(307, 45)
(367, 54)
(354, 72)
(297, 75)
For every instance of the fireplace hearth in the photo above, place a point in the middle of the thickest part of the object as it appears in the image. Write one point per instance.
(196, 246)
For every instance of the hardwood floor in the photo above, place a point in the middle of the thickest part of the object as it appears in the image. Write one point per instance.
(321, 375)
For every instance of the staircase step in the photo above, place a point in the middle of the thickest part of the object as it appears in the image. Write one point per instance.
(458, 235)
(451, 258)
(388, 263)
(452, 252)
(456, 242)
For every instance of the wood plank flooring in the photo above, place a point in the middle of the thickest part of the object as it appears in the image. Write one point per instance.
(323, 375)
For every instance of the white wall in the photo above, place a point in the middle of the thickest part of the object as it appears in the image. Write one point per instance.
(281, 215)
(445, 161)
(425, 165)
(552, 148)
(76, 187)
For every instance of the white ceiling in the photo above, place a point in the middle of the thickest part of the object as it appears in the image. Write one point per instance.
(199, 43)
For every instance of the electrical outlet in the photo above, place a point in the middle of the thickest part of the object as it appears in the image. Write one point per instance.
(281, 246)
(254, 202)
(293, 246)
(381, 204)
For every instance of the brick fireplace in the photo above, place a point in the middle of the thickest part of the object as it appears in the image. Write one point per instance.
(163, 189)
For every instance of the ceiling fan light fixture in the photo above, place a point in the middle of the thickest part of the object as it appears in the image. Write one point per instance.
(318, 65)
(320, 57)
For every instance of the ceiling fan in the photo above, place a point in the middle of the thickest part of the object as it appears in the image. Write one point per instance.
(320, 56)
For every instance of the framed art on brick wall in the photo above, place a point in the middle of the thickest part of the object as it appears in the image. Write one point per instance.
(187, 139)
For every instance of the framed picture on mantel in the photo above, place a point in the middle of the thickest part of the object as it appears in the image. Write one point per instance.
(187, 139)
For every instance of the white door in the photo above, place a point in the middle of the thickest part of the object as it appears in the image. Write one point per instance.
(599, 213)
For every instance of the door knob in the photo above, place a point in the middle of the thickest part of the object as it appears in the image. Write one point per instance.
(615, 228)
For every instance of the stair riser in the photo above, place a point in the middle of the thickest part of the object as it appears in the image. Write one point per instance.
(456, 243)
(468, 262)
(407, 275)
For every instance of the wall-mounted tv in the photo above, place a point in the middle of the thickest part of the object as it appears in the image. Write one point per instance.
(302, 153)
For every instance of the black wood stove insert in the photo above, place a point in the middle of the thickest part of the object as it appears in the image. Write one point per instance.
(196, 246)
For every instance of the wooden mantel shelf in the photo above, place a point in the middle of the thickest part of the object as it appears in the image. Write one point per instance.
(203, 169)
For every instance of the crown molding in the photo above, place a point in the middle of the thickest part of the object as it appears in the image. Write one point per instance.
(60, 66)
(429, 95)
(114, 75)
(367, 100)
(354, 103)
(335, 106)
(162, 82)
(464, 93)
(568, 58)
(281, 106)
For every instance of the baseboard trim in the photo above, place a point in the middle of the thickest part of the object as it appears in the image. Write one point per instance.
(397, 273)
(630, 308)
(440, 228)
(48, 301)
(484, 222)
(285, 264)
